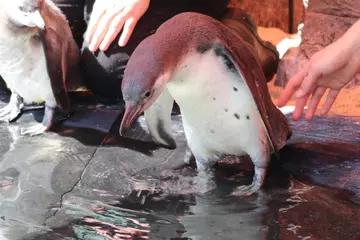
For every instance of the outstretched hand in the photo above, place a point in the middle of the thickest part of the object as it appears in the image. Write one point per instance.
(109, 17)
(331, 68)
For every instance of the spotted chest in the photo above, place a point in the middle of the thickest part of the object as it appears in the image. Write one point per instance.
(219, 114)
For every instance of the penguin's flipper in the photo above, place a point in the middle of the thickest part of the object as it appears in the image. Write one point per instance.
(158, 120)
(245, 27)
(239, 58)
(62, 53)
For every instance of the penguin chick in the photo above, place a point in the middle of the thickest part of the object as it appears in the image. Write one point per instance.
(219, 86)
(38, 59)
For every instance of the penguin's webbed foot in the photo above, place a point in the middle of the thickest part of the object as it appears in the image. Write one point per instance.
(254, 187)
(42, 127)
(36, 129)
(12, 110)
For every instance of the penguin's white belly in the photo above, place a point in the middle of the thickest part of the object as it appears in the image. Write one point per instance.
(219, 114)
(23, 68)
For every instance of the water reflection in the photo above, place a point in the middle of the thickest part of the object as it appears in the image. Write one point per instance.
(295, 210)
(168, 214)
(89, 228)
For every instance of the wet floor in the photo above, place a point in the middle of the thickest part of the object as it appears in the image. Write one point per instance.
(84, 181)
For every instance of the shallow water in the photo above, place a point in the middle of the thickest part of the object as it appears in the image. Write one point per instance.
(83, 181)
(295, 211)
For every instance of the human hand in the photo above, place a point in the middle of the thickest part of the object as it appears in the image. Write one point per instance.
(109, 17)
(331, 68)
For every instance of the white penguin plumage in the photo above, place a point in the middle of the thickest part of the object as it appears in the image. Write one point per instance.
(211, 120)
(24, 60)
(219, 86)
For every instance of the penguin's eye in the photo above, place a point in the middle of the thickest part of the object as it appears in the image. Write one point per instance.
(148, 94)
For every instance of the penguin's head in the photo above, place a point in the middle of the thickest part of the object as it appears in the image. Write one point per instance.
(145, 77)
(26, 13)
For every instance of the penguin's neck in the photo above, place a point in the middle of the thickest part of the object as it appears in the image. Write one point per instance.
(15, 38)
(11, 30)
(194, 78)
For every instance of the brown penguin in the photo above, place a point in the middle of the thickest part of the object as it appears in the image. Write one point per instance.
(38, 59)
(220, 87)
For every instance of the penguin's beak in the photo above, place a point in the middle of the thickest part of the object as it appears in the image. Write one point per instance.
(37, 19)
(132, 112)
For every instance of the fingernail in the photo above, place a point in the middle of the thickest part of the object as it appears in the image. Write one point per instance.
(91, 48)
(121, 42)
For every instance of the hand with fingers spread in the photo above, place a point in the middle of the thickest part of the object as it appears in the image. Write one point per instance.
(331, 68)
(109, 17)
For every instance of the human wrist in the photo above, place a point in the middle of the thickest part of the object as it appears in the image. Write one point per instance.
(352, 37)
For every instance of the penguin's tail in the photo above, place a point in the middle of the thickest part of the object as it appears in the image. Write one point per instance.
(288, 109)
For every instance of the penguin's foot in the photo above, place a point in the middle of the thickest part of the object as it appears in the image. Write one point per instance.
(12, 109)
(42, 127)
(36, 129)
(254, 187)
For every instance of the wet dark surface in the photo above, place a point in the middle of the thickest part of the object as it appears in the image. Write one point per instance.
(77, 182)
